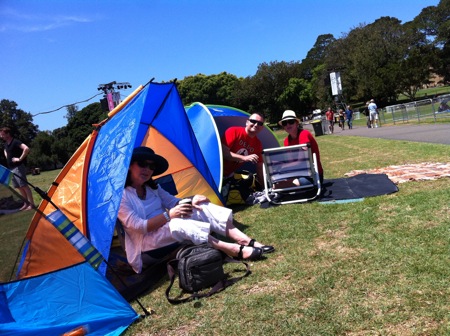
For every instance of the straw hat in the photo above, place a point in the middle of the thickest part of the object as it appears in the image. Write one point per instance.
(287, 115)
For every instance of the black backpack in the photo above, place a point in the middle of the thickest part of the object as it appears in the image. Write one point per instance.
(199, 267)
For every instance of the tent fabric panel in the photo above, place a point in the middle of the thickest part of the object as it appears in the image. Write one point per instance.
(65, 191)
(63, 300)
(107, 172)
(172, 121)
(189, 183)
(187, 178)
(48, 250)
(67, 195)
(226, 111)
(162, 146)
(208, 138)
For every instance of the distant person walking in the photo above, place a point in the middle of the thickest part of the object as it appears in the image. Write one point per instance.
(16, 152)
(330, 118)
(341, 119)
(373, 113)
(367, 114)
(349, 116)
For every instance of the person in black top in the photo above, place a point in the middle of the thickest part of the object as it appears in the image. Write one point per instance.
(16, 152)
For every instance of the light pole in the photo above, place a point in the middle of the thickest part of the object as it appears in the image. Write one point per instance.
(111, 98)
(336, 88)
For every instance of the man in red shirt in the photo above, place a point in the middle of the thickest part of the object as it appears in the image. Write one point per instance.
(330, 118)
(241, 145)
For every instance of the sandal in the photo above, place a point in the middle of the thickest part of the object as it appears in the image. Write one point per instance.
(256, 254)
(265, 248)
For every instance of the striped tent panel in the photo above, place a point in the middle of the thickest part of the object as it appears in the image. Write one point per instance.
(76, 238)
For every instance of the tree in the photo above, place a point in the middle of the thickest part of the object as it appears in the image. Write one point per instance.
(434, 23)
(318, 53)
(265, 87)
(371, 56)
(42, 154)
(20, 122)
(213, 89)
(81, 124)
(297, 96)
(71, 112)
(314, 69)
(416, 70)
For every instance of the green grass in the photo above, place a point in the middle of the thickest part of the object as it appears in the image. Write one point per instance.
(427, 93)
(376, 267)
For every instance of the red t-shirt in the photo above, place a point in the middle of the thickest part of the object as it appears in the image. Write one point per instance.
(304, 137)
(329, 115)
(238, 141)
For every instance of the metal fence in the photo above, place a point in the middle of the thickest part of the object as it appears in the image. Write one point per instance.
(427, 110)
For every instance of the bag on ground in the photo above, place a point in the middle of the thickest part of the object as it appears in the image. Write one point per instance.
(199, 267)
(239, 187)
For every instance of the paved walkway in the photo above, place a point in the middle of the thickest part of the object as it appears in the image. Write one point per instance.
(433, 133)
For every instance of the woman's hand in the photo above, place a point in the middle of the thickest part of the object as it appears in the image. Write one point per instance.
(181, 211)
(197, 200)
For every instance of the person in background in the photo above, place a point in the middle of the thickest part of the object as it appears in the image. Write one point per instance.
(342, 119)
(329, 115)
(349, 116)
(152, 218)
(367, 114)
(298, 136)
(373, 113)
(241, 145)
(16, 152)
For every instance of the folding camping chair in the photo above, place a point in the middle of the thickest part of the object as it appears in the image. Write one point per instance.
(282, 168)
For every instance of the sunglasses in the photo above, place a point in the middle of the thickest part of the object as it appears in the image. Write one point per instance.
(289, 121)
(145, 164)
(253, 121)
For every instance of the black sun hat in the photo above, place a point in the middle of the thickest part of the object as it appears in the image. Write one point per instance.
(146, 153)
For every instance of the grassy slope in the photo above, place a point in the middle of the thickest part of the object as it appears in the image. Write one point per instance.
(377, 267)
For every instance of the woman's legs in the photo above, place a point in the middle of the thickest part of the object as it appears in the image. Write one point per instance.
(216, 219)
(231, 249)
(221, 220)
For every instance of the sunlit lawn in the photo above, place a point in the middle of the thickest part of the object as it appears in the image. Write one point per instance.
(377, 267)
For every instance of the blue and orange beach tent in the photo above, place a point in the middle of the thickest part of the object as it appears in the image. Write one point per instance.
(88, 191)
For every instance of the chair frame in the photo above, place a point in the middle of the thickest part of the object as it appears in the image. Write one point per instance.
(307, 167)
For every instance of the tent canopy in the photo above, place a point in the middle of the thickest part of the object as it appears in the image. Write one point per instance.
(88, 191)
(210, 122)
(89, 188)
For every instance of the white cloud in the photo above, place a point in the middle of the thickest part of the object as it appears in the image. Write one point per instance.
(25, 22)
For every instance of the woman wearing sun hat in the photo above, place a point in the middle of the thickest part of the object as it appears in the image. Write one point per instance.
(298, 136)
(152, 218)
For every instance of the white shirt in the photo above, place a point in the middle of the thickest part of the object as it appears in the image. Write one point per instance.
(372, 107)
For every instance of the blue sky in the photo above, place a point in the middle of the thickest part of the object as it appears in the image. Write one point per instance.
(57, 52)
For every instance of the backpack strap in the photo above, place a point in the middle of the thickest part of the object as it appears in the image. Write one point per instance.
(221, 285)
